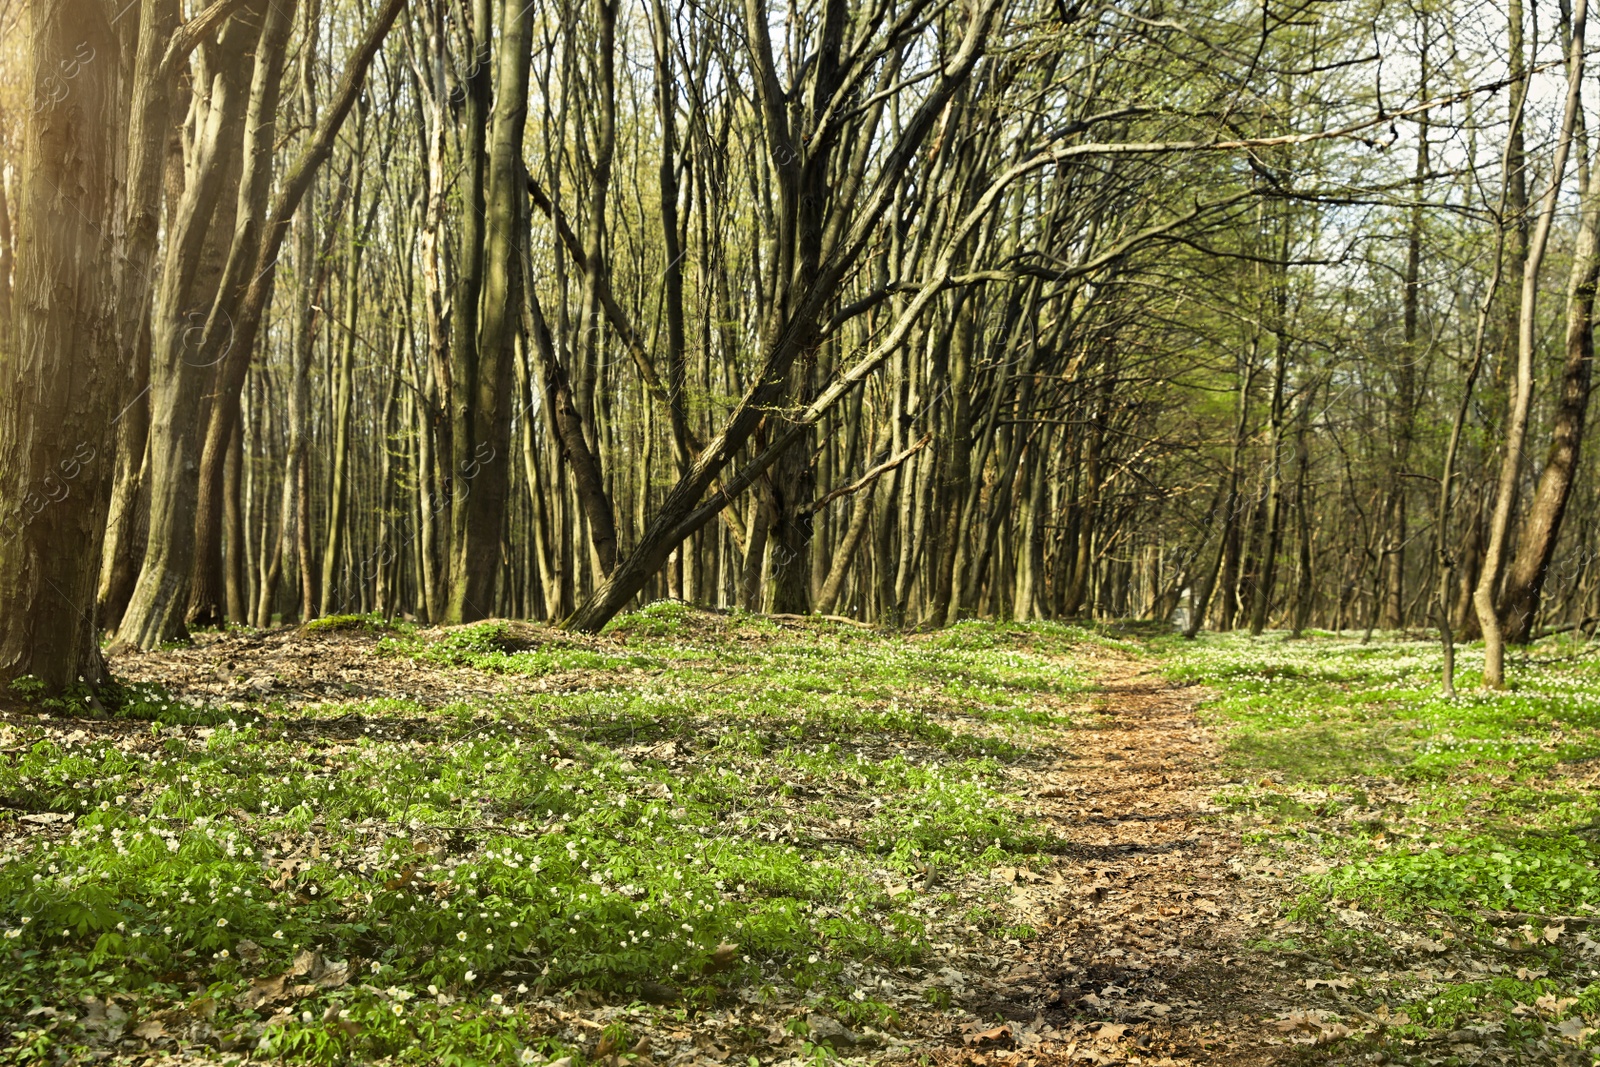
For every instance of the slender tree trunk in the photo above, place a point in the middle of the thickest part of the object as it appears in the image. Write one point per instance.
(1083, 550)
(126, 521)
(785, 335)
(1200, 597)
(561, 408)
(1304, 588)
(339, 489)
(237, 552)
(1541, 526)
(1485, 595)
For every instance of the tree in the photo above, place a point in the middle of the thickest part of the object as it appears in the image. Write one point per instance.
(1486, 597)
(61, 376)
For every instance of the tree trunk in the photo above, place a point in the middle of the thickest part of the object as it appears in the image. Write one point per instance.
(339, 489)
(483, 373)
(126, 522)
(179, 363)
(62, 377)
(1541, 526)
(1200, 597)
(237, 551)
(795, 329)
(467, 301)
(1484, 596)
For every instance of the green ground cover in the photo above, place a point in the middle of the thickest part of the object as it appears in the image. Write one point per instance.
(686, 807)
(1449, 846)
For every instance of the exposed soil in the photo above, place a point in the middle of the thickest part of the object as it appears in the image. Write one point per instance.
(1143, 955)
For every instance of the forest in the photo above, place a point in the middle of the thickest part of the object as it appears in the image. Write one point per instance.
(777, 531)
(1267, 314)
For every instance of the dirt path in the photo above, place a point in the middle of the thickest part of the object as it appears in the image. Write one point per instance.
(1145, 924)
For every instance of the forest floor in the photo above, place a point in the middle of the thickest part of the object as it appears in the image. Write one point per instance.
(713, 839)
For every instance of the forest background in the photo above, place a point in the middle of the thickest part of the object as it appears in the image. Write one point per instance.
(1256, 314)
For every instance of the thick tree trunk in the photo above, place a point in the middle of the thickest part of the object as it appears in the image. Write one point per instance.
(179, 362)
(461, 463)
(483, 374)
(61, 375)
(789, 539)
(149, 119)
(7, 257)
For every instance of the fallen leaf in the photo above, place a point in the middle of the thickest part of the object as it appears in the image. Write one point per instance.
(335, 973)
(1331, 1032)
(262, 991)
(320, 974)
(1331, 983)
(1554, 1005)
(103, 1017)
(1572, 1028)
(1111, 1031)
(401, 880)
(999, 1035)
(45, 818)
(722, 958)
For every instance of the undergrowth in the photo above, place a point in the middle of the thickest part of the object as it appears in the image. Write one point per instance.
(1448, 844)
(709, 805)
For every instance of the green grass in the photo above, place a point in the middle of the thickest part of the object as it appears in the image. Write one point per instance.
(1475, 814)
(705, 805)
(373, 622)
